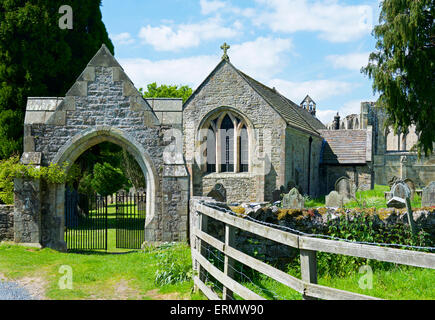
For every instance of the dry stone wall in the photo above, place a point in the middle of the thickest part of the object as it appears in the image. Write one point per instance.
(6, 223)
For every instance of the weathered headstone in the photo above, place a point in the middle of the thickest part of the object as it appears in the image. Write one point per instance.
(428, 196)
(396, 202)
(218, 193)
(401, 190)
(334, 200)
(411, 186)
(293, 200)
(345, 187)
(276, 196)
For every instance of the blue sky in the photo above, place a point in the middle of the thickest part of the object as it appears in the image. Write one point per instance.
(301, 47)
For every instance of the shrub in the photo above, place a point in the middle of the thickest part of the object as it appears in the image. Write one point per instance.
(174, 266)
(11, 168)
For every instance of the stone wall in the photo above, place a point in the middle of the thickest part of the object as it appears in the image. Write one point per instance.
(360, 175)
(6, 223)
(308, 221)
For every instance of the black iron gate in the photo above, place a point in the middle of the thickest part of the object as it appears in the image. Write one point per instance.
(85, 221)
(130, 220)
(88, 220)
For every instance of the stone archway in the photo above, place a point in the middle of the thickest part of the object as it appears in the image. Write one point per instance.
(88, 138)
(103, 105)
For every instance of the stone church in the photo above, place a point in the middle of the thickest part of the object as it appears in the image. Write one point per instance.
(233, 132)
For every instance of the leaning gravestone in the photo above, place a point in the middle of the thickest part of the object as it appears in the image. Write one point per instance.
(396, 202)
(401, 190)
(345, 187)
(334, 200)
(293, 200)
(428, 196)
(218, 193)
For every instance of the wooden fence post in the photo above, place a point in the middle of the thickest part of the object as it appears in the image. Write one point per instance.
(202, 226)
(229, 263)
(308, 268)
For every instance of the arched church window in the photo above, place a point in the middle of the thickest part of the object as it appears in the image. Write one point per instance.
(227, 144)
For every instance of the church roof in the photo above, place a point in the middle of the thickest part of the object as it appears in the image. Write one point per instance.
(345, 147)
(293, 114)
(290, 111)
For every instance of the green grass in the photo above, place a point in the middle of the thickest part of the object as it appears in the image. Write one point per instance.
(399, 283)
(368, 199)
(96, 275)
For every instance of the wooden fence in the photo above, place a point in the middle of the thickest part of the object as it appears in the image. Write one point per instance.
(308, 247)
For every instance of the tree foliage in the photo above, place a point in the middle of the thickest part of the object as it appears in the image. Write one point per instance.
(403, 67)
(107, 179)
(165, 91)
(37, 58)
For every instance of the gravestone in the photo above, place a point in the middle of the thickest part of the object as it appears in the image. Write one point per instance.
(218, 193)
(396, 202)
(411, 186)
(293, 200)
(334, 200)
(345, 187)
(401, 190)
(428, 196)
(276, 196)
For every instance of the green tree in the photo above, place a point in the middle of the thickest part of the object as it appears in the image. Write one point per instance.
(37, 58)
(165, 91)
(107, 179)
(403, 67)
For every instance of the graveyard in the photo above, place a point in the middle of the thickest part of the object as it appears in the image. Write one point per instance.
(180, 167)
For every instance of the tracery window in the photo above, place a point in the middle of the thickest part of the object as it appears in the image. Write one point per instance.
(227, 145)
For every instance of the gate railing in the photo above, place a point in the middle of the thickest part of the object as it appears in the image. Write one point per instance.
(130, 220)
(85, 221)
(308, 247)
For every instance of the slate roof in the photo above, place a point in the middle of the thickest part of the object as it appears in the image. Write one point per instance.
(344, 146)
(290, 111)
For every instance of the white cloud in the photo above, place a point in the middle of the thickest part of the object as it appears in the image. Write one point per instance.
(317, 89)
(352, 61)
(261, 58)
(349, 107)
(208, 7)
(326, 116)
(187, 71)
(336, 22)
(124, 38)
(168, 38)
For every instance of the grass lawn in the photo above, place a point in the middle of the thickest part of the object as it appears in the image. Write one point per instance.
(399, 283)
(368, 199)
(96, 275)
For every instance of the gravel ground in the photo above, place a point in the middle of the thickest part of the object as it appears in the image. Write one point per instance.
(13, 291)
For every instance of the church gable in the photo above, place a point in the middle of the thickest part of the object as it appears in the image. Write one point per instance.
(226, 87)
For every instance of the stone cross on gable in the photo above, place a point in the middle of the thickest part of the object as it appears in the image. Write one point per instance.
(225, 48)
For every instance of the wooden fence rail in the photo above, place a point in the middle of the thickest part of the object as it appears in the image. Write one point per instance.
(308, 247)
